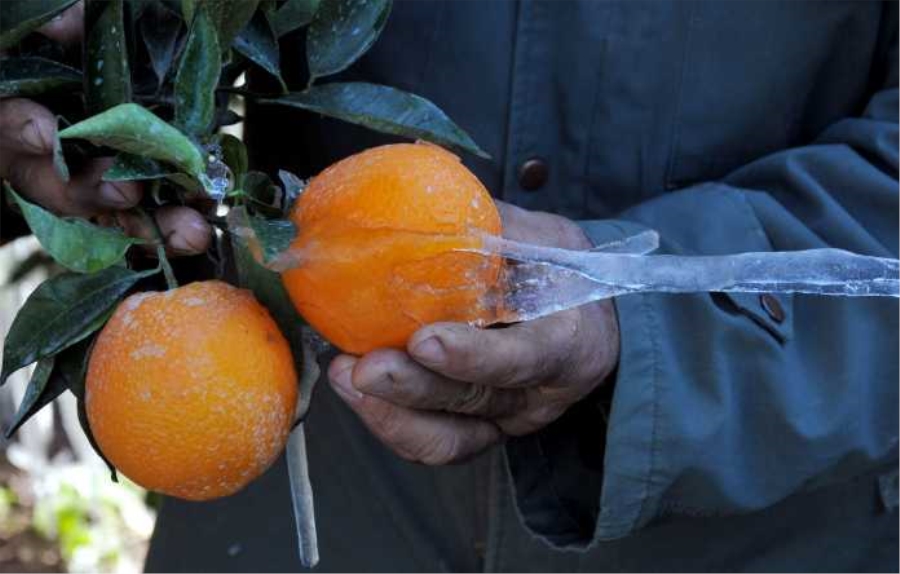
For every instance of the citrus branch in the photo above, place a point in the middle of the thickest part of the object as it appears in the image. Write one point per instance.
(171, 282)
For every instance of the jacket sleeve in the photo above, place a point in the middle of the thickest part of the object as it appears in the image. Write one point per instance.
(726, 404)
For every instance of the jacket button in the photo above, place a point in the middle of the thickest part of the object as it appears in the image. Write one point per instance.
(533, 174)
(773, 307)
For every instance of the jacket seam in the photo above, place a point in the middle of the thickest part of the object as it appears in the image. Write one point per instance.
(650, 331)
(676, 132)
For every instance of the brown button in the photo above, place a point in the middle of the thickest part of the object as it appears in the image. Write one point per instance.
(533, 174)
(773, 307)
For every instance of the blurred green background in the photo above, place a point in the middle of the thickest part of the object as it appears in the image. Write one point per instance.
(59, 509)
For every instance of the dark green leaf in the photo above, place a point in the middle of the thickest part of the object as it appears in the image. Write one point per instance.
(187, 9)
(30, 76)
(275, 235)
(160, 29)
(257, 42)
(62, 311)
(133, 129)
(138, 7)
(74, 243)
(227, 117)
(59, 159)
(73, 364)
(293, 187)
(234, 154)
(269, 290)
(261, 189)
(197, 78)
(38, 393)
(341, 32)
(129, 167)
(186, 182)
(107, 78)
(229, 17)
(20, 17)
(294, 14)
(383, 109)
(89, 434)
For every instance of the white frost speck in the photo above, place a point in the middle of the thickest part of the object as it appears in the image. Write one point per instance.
(148, 351)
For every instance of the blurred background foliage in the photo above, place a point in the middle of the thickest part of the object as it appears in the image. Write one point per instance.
(59, 511)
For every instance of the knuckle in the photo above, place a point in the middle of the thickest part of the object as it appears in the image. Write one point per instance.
(438, 449)
(475, 400)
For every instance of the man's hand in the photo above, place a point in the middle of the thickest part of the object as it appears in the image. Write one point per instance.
(27, 133)
(459, 389)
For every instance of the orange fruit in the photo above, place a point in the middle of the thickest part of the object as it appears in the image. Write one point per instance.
(376, 234)
(191, 392)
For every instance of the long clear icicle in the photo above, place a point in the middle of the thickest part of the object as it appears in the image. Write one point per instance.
(547, 280)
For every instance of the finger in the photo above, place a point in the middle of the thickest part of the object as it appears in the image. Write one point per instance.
(67, 27)
(25, 128)
(420, 436)
(392, 375)
(91, 193)
(35, 178)
(541, 228)
(522, 354)
(544, 404)
(185, 231)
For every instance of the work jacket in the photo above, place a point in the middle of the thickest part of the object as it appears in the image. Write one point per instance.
(739, 431)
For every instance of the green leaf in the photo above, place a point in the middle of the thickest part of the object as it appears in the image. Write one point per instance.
(19, 17)
(269, 290)
(229, 17)
(160, 29)
(260, 188)
(341, 32)
(257, 42)
(75, 381)
(234, 154)
(270, 237)
(74, 243)
(107, 77)
(62, 311)
(133, 129)
(293, 187)
(59, 159)
(188, 7)
(197, 78)
(294, 14)
(186, 182)
(383, 109)
(89, 434)
(32, 76)
(130, 167)
(40, 391)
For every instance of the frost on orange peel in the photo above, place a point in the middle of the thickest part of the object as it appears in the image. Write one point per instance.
(378, 243)
(191, 392)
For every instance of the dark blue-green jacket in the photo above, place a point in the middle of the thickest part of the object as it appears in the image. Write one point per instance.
(740, 432)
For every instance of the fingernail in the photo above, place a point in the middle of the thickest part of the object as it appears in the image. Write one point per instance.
(191, 239)
(343, 385)
(381, 385)
(34, 137)
(112, 196)
(431, 350)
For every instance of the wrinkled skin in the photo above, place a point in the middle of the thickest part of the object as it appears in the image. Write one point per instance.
(27, 132)
(458, 389)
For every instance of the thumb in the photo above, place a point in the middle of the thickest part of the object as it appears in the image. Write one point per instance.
(67, 27)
